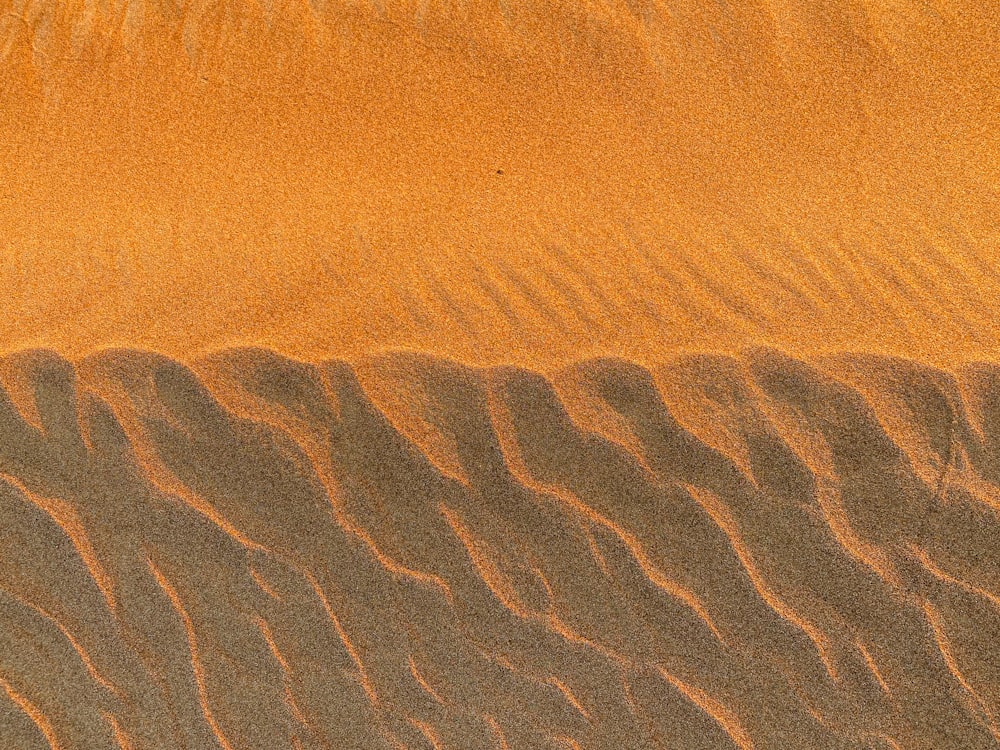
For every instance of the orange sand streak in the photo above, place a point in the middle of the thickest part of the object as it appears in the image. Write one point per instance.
(595, 550)
(366, 683)
(423, 682)
(944, 645)
(429, 732)
(316, 453)
(69, 521)
(88, 663)
(867, 554)
(721, 715)
(512, 456)
(498, 734)
(724, 520)
(259, 580)
(586, 410)
(827, 498)
(564, 689)
(165, 481)
(286, 671)
(23, 399)
(124, 743)
(927, 562)
(199, 675)
(497, 582)
(870, 661)
(34, 713)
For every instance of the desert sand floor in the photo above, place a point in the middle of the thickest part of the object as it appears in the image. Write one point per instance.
(254, 552)
(501, 182)
(412, 375)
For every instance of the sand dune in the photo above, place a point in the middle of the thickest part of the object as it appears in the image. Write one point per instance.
(570, 454)
(404, 552)
(501, 183)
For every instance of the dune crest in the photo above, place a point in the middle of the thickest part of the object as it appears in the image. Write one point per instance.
(412, 553)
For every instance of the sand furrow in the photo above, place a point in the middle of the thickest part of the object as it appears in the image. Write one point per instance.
(750, 552)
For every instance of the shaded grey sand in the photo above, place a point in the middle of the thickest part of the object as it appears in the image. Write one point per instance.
(408, 553)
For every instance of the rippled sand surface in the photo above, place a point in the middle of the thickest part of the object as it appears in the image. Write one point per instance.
(404, 552)
(412, 375)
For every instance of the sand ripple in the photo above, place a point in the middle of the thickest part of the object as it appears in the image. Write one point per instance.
(255, 552)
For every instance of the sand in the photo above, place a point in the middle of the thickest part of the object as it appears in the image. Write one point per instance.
(552, 375)
(256, 552)
(498, 183)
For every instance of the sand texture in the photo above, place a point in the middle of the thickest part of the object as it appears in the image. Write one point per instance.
(499, 374)
(255, 552)
(501, 181)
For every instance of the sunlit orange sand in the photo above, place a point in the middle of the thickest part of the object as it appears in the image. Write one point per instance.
(523, 183)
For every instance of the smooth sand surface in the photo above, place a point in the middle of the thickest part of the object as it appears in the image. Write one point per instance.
(255, 552)
(501, 182)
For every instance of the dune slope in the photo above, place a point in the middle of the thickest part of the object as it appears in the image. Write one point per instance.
(501, 182)
(404, 552)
